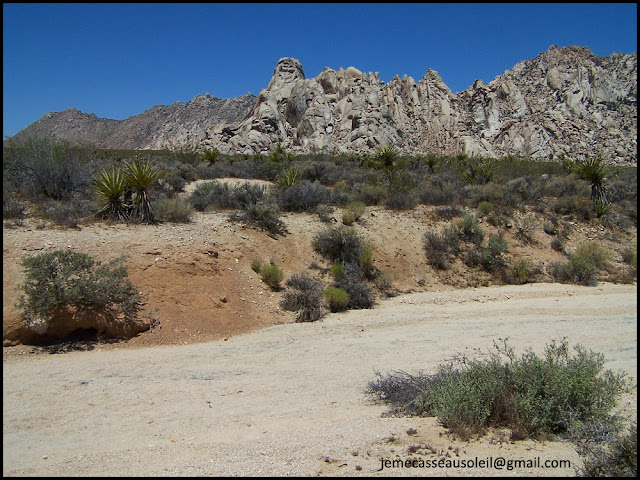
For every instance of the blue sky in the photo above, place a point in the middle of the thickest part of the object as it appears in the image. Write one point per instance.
(117, 60)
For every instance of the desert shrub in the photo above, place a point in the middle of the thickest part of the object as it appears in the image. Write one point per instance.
(576, 205)
(348, 218)
(485, 208)
(337, 271)
(401, 200)
(439, 247)
(175, 182)
(372, 194)
(520, 271)
(64, 278)
(175, 210)
(448, 212)
(66, 213)
(532, 395)
(271, 275)
(579, 269)
(630, 257)
(13, 209)
(353, 211)
(255, 265)
(47, 168)
(525, 229)
(477, 256)
(618, 459)
(264, 215)
(365, 262)
(303, 197)
(440, 193)
(339, 244)
(336, 298)
(497, 245)
(558, 244)
(360, 295)
(550, 228)
(470, 229)
(304, 296)
(222, 195)
(597, 252)
(323, 210)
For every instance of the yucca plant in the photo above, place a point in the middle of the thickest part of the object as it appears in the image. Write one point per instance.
(387, 158)
(288, 178)
(594, 171)
(140, 175)
(110, 187)
(211, 155)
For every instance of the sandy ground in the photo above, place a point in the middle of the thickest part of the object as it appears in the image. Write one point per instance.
(289, 399)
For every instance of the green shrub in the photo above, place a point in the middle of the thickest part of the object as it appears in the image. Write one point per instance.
(271, 275)
(61, 279)
(521, 271)
(264, 215)
(497, 245)
(485, 208)
(525, 229)
(533, 396)
(470, 229)
(339, 244)
(337, 298)
(579, 269)
(630, 257)
(597, 252)
(353, 211)
(256, 265)
(175, 210)
(337, 271)
(365, 261)
(372, 194)
(304, 296)
(303, 196)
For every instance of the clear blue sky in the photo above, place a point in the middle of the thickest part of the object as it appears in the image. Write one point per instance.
(117, 60)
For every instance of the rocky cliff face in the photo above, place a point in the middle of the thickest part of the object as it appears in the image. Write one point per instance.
(565, 101)
(159, 127)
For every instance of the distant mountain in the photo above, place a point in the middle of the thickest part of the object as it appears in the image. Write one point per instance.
(159, 127)
(565, 101)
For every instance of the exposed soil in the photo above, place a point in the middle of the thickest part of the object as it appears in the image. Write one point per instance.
(256, 393)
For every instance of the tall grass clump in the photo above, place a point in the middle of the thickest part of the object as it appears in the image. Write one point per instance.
(337, 298)
(533, 396)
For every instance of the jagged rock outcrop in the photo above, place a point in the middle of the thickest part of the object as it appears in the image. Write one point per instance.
(566, 101)
(159, 127)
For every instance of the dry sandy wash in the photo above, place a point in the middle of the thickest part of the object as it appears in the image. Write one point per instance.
(289, 399)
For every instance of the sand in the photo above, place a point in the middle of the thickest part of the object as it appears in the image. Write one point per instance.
(289, 399)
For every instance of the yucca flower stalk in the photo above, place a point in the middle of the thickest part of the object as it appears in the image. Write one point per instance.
(110, 186)
(140, 175)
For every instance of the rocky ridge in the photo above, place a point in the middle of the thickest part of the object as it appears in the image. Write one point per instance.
(566, 101)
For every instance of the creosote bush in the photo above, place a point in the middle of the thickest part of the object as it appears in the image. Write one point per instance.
(533, 396)
(64, 278)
